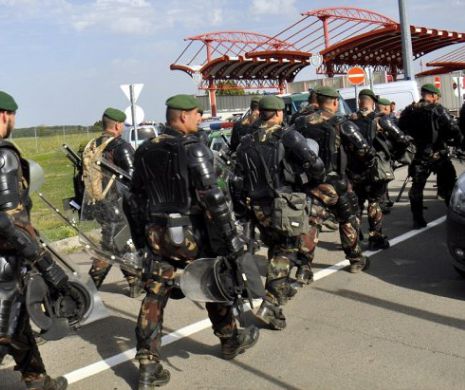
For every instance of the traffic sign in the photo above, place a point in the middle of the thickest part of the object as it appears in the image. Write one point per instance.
(437, 82)
(137, 88)
(356, 75)
(138, 115)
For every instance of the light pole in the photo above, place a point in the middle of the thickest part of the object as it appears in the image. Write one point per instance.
(407, 52)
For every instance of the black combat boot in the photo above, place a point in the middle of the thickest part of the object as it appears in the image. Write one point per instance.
(359, 264)
(272, 315)
(241, 340)
(419, 222)
(304, 274)
(152, 375)
(378, 242)
(417, 212)
(44, 382)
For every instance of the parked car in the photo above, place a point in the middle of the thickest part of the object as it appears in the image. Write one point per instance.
(144, 132)
(294, 102)
(455, 225)
(216, 139)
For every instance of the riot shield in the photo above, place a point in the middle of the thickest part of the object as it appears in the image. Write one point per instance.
(222, 280)
(53, 311)
(103, 227)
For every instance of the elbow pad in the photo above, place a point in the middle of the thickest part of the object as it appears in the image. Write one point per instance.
(200, 163)
(296, 144)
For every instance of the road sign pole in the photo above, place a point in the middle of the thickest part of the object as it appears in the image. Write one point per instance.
(133, 113)
(356, 95)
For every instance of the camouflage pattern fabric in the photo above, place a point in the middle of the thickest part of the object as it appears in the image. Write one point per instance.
(283, 253)
(324, 198)
(158, 284)
(373, 193)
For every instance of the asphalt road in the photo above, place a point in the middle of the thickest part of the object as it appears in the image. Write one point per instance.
(397, 326)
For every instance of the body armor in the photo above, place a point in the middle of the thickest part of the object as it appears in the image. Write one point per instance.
(365, 122)
(119, 152)
(431, 126)
(260, 160)
(241, 129)
(174, 180)
(323, 128)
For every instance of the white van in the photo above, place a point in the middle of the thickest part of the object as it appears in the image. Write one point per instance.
(401, 92)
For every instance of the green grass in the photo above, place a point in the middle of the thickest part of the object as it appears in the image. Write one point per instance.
(58, 179)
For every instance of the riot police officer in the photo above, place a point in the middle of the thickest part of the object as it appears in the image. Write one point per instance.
(309, 108)
(432, 129)
(364, 184)
(19, 250)
(245, 125)
(177, 214)
(276, 167)
(337, 137)
(107, 210)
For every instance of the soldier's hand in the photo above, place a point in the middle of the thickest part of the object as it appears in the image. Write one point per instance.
(235, 247)
(51, 271)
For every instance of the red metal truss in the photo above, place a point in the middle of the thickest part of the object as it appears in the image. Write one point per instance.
(351, 13)
(382, 48)
(450, 62)
(343, 36)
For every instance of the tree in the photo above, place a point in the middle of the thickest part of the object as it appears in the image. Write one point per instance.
(229, 88)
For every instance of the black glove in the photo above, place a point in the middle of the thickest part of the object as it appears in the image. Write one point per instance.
(235, 247)
(51, 272)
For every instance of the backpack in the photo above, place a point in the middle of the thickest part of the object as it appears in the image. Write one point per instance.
(92, 173)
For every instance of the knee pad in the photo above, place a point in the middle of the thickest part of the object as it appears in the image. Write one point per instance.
(344, 208)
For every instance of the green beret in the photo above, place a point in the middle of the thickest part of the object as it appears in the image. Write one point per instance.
(384, 101)
(115, 114)
(256, 99)
(430, 88)
(7, 102)
(183, 102)
(327, 91)
(271, 103)
(369, 93)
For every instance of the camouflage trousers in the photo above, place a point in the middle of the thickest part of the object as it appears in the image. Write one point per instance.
(283, 254)
(158, 284)
(374, 194)
(344, 205)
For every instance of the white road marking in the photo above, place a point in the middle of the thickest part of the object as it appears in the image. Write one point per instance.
(100, 366)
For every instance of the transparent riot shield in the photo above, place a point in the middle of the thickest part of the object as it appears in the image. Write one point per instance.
(103, 226)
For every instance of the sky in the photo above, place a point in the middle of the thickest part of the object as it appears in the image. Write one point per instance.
(64, 60)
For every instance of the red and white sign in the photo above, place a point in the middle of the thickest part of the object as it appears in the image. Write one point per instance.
(437, 82)
(356, 75)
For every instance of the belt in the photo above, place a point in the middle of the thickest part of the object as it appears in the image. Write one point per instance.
(170, 221)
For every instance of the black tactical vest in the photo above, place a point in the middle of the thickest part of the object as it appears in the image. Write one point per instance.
(263, 164)
(163, 167)
(327, 135)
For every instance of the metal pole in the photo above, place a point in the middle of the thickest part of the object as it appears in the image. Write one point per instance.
(459, 88)
(133, 114)
(35, 136)
(407, 51)
(356, 96)
(370, 75)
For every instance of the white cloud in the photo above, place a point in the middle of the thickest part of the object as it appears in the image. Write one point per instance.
(273, 7)
(118, 16)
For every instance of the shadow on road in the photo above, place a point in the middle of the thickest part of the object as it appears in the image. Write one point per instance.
(397, 307)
